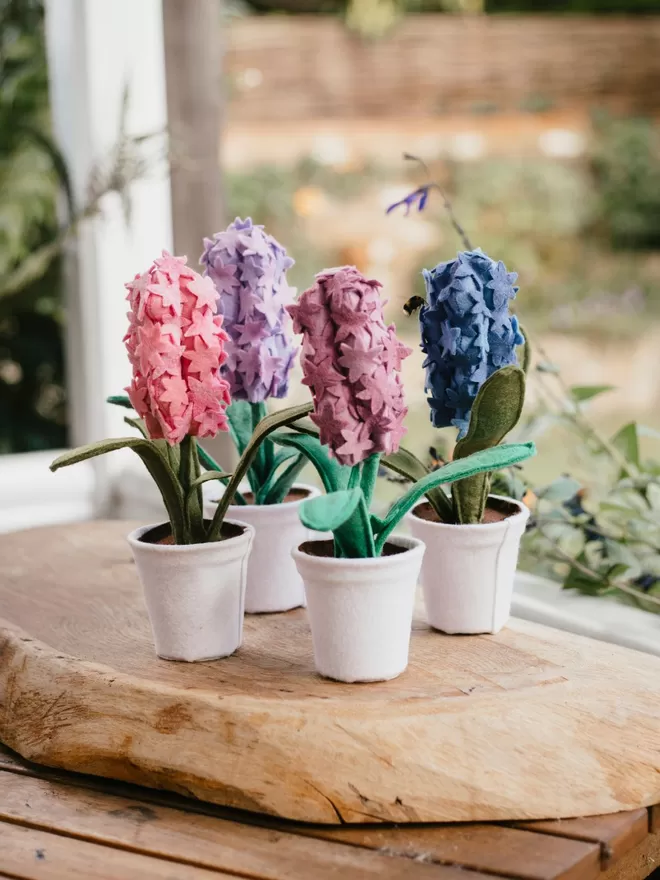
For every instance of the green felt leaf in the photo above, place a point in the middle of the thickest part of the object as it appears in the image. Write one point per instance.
(334, 476)
(155, 462)
(527, 350)
(626, 440)
(281, 487)
(495, 411)
(196, 485)
(138, 424)
(265, 427)
(119, 400)
(480, 462)
(345, 514)
(263, 462)
(582, 393)
(404, 463)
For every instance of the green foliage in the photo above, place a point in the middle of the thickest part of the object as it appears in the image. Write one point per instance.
(358, 534)
(603, 540)
(32, 174)
(495, 413)
(176, 470)
(626, 166)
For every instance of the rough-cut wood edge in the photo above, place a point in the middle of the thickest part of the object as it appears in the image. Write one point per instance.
(9, 762)
(640, 862)
(62, 712)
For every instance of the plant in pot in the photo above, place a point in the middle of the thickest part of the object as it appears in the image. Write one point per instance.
(193, 570)
(361, 586)
(248, 268)
(475, 384)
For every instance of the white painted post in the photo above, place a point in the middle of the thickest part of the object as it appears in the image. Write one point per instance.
(95, 50)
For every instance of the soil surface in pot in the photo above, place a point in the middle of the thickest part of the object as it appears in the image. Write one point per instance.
(163, 534)
(496, 511)
(326, 549)
(294, 495)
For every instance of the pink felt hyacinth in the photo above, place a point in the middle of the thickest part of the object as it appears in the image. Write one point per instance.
(351, 361)
(175, 344)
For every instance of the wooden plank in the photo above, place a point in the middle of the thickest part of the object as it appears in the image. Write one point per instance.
(491, 849)
(616, 833)
(31, 854)
(463, 735)
(640, 862)
(195, 839)
(654, 821)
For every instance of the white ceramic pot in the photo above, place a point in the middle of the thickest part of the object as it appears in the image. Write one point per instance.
(195, 593)
(273, 582)
(468, 570)
(360, 610)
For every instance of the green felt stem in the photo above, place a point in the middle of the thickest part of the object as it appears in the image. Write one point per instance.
(266, 488)
(263, 463)
(368, 477)
(346, 515)
(155, 462)
(196, 485)
(487, 460)
(189, 472)
(355, 476)
(239, 417)
(265, 427)
(495, 412)
(138, 424)
(334, 476)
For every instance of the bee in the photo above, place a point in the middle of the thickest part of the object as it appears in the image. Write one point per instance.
(414, 304)
(436, 459)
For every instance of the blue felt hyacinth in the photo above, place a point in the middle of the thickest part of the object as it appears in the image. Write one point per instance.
(467, 333)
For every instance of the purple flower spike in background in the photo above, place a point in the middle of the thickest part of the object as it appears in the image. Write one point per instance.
(351, 361)
(248, 268)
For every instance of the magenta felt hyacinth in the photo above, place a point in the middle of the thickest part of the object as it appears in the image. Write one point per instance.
(175, 344)
(351, 361)
(248, 268)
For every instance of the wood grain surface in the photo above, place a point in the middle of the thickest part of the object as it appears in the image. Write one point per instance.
(145, 822)
(478, 728)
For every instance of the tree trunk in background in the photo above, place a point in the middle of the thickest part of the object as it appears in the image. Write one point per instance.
(193, 73)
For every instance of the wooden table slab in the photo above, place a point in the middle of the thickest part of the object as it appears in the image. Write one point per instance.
(532, 723)
(56, 825)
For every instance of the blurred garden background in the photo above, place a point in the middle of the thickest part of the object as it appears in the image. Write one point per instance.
(539, 118)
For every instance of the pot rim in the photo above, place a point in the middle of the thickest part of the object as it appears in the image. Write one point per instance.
(523, 514)
(134, 539)
(413, 546)
(311, 492)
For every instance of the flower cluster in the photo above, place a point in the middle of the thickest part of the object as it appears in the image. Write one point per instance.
(248, 268)
(467, 332)
(351, 361)
(175, 344)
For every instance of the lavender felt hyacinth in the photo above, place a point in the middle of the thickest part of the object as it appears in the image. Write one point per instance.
(468, 332)
(248, 268)
(351, 361)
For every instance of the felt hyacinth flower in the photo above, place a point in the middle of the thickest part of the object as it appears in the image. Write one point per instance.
(176, 346)
(351, 362)
(248, 268)
(468, 333)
